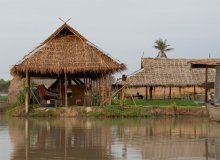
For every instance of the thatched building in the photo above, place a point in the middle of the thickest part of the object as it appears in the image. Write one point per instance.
(78, 65)
(210, 64)
(168, 73)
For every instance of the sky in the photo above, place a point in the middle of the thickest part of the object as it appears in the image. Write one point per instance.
(122, 28)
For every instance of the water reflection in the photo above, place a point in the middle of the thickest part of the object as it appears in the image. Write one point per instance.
(68, 138)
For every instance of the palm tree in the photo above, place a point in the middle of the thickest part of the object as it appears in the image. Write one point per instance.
(163, 47)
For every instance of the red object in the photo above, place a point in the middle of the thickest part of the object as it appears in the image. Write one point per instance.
(46, 94)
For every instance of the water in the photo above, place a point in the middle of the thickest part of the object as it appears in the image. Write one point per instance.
(184, 138)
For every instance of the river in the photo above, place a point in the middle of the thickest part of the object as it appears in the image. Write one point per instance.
(183, 138)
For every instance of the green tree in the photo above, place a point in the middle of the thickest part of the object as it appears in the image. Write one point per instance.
(163, 47)
(4, 85)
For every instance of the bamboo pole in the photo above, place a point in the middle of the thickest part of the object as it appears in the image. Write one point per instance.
(114, 94)
(66, 96)
(131, 96)
(123, 90)
(27, 94)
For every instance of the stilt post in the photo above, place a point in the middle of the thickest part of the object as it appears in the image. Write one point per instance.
(124, 77)
(206, 84)
(146, 92)
(66, 96)
(170, 92)
(151, 92)
(27, 94)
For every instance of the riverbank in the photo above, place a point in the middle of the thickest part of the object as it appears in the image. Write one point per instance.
(109, 111)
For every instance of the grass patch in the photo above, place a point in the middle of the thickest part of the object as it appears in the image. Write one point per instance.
(19, 111)
(44, 113)
(118, 111)
(159, 103)
(16, 110)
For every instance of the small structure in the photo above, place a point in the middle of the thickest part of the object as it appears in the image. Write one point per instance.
(80, 67)
(215, 63)
(168, 73)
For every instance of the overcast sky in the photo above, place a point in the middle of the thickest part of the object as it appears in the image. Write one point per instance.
(123, 28)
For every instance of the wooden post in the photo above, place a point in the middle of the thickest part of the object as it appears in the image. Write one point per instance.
(60, 88)
(194, 92)
(151, 94)
(180, 91)
(123, 89)
(66, 96)
(100, 90)
(206, 84)
(154, 89)
(86, 92)
(170, 92)
(217, 85)
(110, 88)
(27, 94)
(164, 92)
(146, 92)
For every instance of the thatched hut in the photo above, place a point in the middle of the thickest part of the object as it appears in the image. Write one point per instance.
(69, 57)
(210, 64)
(168, 73)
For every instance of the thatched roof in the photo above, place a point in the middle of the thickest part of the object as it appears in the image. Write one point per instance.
(169, 72)
(66, 51)
(205, 63)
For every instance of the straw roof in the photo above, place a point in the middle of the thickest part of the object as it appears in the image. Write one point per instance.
(205, 63)
(169, 72)
(66, 51)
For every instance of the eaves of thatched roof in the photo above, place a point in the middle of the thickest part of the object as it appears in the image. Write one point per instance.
(66, 51)
(166, 72)
(210, 63)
